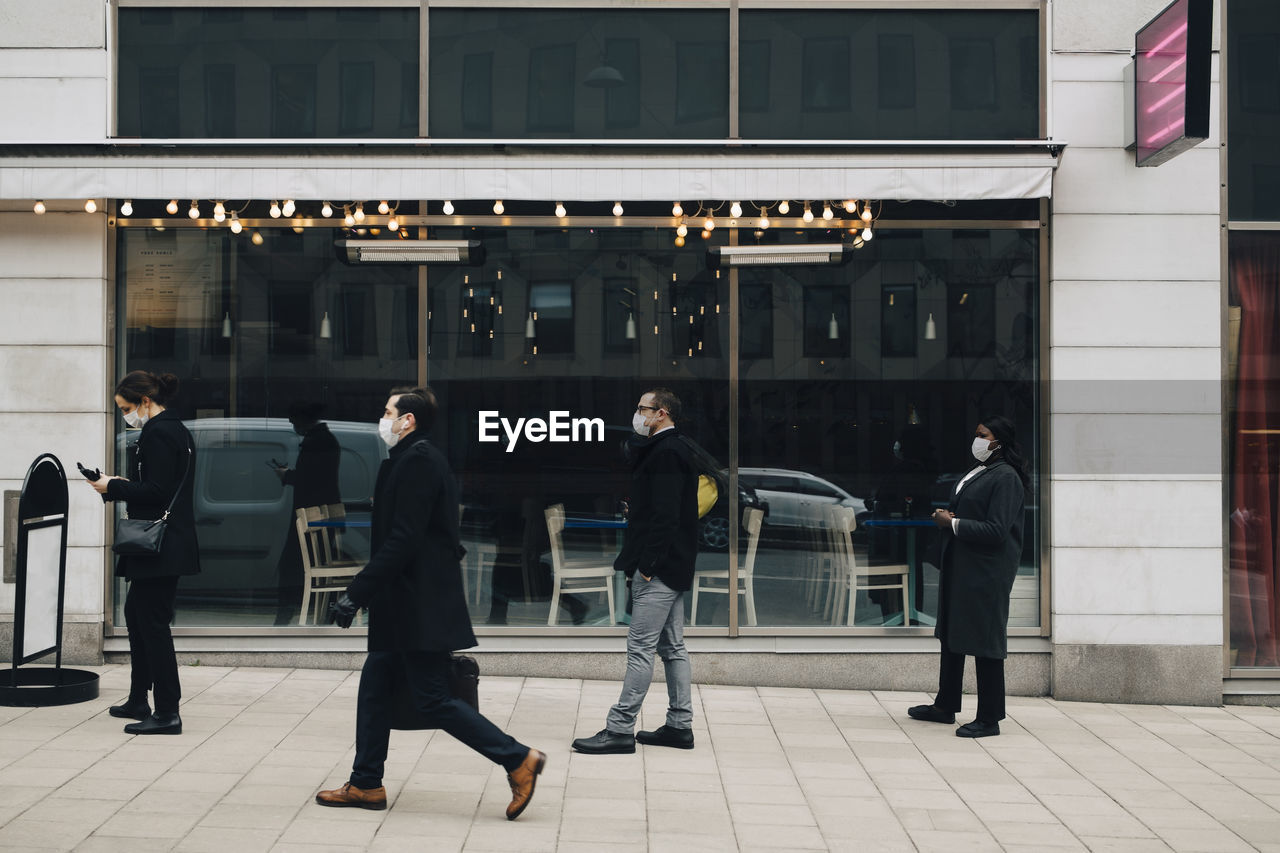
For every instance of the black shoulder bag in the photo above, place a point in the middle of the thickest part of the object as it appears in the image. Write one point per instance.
(141, 537)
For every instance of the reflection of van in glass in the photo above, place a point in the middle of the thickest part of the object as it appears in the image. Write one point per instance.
(243, 511)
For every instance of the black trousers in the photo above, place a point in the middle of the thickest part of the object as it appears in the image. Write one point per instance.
(425, 674)
(148, 610)
(990, 685)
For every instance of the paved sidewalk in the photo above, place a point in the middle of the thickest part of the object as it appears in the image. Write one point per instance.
(774, 769)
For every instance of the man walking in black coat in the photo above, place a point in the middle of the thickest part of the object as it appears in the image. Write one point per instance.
(658, 557)
(412, 588)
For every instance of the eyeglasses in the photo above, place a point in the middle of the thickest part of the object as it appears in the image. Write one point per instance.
(650, 408)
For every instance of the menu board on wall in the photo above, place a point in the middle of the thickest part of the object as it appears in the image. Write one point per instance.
(171, 281)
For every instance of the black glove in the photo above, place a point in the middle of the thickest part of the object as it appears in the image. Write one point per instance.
(342, 611)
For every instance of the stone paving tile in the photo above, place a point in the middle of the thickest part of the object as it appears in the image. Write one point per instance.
(775, 769)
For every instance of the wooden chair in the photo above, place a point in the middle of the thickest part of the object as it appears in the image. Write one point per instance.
(852, 578)
(716, 581)
(324, 569)
(577, 576)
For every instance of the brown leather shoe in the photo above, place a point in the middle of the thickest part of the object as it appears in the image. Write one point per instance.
(522, 780)
(350, 795)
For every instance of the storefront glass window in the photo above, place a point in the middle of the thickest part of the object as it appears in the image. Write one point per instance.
(1253, 492)
(853, 74)
(267, 73)
(265, 338)
(859, 387)
(579, 73)
(1253, 103)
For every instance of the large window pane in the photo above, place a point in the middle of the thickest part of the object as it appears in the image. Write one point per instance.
(859, 408)
(253, 73)
(889, 74)
(574, 281)
(580, 73)
(1253, 388)
(1253, 104)
(257, 334)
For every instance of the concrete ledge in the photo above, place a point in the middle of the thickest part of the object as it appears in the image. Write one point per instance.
(81, 644)
(1153, 675)
(1025, 674)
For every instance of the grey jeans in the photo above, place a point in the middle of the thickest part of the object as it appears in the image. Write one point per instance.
(657, 624)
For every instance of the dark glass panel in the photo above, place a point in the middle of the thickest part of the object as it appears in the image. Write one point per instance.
(1253, 110)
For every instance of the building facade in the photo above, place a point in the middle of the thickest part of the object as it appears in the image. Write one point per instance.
(991, 248)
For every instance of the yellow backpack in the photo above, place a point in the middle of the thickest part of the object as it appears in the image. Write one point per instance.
(708, 494)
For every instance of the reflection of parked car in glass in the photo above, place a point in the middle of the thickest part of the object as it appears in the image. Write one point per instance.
(241, 506)
(713, 528)
(795, 498)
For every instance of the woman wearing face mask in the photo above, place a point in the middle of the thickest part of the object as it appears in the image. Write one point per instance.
(164, 465)
(981, 545)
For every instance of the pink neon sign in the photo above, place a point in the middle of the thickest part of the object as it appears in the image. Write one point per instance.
(1171, 79)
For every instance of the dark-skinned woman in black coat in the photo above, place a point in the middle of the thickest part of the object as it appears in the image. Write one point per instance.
(981, 546)
(164, 466)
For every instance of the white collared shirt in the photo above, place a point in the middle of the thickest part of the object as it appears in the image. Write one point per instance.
(977, 469)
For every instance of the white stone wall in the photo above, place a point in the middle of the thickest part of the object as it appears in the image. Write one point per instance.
(53, 70)
(1135, 355)
(54, 376)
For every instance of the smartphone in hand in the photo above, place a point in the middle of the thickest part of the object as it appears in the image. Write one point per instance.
(93, 475)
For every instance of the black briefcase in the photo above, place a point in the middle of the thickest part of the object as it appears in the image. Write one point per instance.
(464, 684)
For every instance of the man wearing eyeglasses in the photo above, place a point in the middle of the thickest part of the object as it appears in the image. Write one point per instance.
(658, 558)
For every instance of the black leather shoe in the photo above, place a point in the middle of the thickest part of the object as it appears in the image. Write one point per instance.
(605, 742)
(667, 736)
(930, 714)
(131, 710)
(978, 729)
(156, 724)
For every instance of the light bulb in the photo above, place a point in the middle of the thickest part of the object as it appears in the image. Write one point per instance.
(289, 207)
(850, 206)
(826, 211)
(194, 210)
(497, 207)
(930, 328)
(326, 330)
(784, 207)
(256, 239)
(384, 208)
(393, 224)
(90, 206)
(677, 209)
(275, 209)
(235, 226)
(866, 214)
(735, 210)
(347, 219)
(39, 208)
(560, 211)
(617, 208)
(447, 208)
(298, 229)
(706, 234)
(807, 216)
(326, 210)
(359, 214)
(866, 234)
(709, 225)
(679, 241)
(764, 222)
(126, 209)
(172, 207)
(219, 212)
(682, 229)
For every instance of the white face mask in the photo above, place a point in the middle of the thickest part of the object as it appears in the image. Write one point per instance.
(638, 424)
(385, 433)
(981, 449)
(135, 419)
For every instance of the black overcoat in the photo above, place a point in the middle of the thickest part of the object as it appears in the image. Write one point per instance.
(979, 563)
(314, 475)
(157, 470)
(412, 584)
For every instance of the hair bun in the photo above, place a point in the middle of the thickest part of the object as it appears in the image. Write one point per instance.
(168, 385)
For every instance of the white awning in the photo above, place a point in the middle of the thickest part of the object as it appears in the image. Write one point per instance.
(582, 174)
